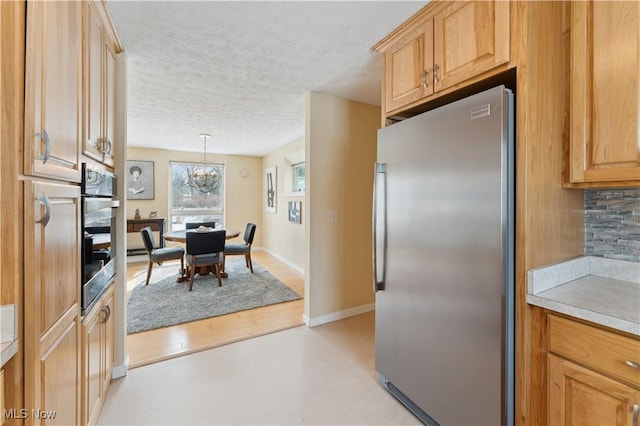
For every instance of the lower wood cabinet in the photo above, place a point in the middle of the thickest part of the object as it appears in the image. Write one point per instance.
(1, 397)
(579, 396)
(97, 356)
(51, 303)
(593, 375)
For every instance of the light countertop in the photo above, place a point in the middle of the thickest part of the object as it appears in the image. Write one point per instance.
(595, 289)
(8, 332)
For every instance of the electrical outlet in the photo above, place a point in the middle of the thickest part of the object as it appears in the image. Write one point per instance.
(332, 216)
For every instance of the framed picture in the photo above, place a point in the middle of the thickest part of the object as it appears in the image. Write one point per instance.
(294, 211)
(140, 180)
(271, 187)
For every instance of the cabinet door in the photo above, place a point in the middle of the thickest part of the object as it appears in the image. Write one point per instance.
(53, 81)
(60, 379)
(98, 356)
(93, 67)
(408, 67)
(578, 396)
(52, 260)
(2, 395)
(92, 368)
(52, 299)
(109, 332)
(469, 38)
(109, 104)
(605, 91)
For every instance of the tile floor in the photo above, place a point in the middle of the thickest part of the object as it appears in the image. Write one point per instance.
(321, 375)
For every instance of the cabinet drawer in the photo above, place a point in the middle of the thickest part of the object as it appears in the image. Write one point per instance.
(598, 349)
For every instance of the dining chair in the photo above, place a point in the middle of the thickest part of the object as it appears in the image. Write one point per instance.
(195, 225)
(205, 251)
(159, 255)
(242, 248)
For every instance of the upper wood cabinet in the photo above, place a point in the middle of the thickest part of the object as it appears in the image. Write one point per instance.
(110, 103)
(470, 37)
(53, 90)
(443, 45)
(605, 94)
(93, 60)
(99, 85)
(407, 65)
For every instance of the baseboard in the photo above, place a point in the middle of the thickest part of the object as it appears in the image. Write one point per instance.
(335, 316)
(120, 370)
(138, 258)
(282, 259)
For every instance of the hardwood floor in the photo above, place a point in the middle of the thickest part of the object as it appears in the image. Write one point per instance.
(165, 343)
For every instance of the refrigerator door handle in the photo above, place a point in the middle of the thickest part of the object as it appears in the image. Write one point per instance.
(379, 225)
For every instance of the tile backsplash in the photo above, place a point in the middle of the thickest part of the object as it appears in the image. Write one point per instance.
(612, 223)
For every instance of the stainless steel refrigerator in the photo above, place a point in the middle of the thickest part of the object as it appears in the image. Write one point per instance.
(444, 259)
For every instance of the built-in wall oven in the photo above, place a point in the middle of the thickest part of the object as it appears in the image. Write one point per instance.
(99, 227)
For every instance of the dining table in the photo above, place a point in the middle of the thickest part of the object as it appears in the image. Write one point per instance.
(180, 236)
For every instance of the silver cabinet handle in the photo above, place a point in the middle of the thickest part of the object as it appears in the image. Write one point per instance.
(104, 145)
(47, 146)
(636, 409)
(107, 313)
(633, 364)
(436, 68)
(44, 200)
(379, 224)
(425, 82)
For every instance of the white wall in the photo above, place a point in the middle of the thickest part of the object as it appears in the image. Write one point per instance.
(280, 237)
(340, 156)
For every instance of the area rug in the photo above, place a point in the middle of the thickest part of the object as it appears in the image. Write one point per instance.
(164, 302)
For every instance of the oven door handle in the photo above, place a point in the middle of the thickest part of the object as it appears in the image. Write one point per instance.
(96, 204)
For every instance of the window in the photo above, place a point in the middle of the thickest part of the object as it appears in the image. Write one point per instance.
(298, 177)
(190, 205)
(294, 174)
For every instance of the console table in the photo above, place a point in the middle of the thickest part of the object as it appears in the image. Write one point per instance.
(155, 223)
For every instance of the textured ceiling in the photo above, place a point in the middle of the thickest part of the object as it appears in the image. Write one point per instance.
(240, 70)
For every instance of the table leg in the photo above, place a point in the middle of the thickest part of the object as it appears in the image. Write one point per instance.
(203, 270)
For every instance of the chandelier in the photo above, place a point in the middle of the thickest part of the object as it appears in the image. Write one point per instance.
(205, 178)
